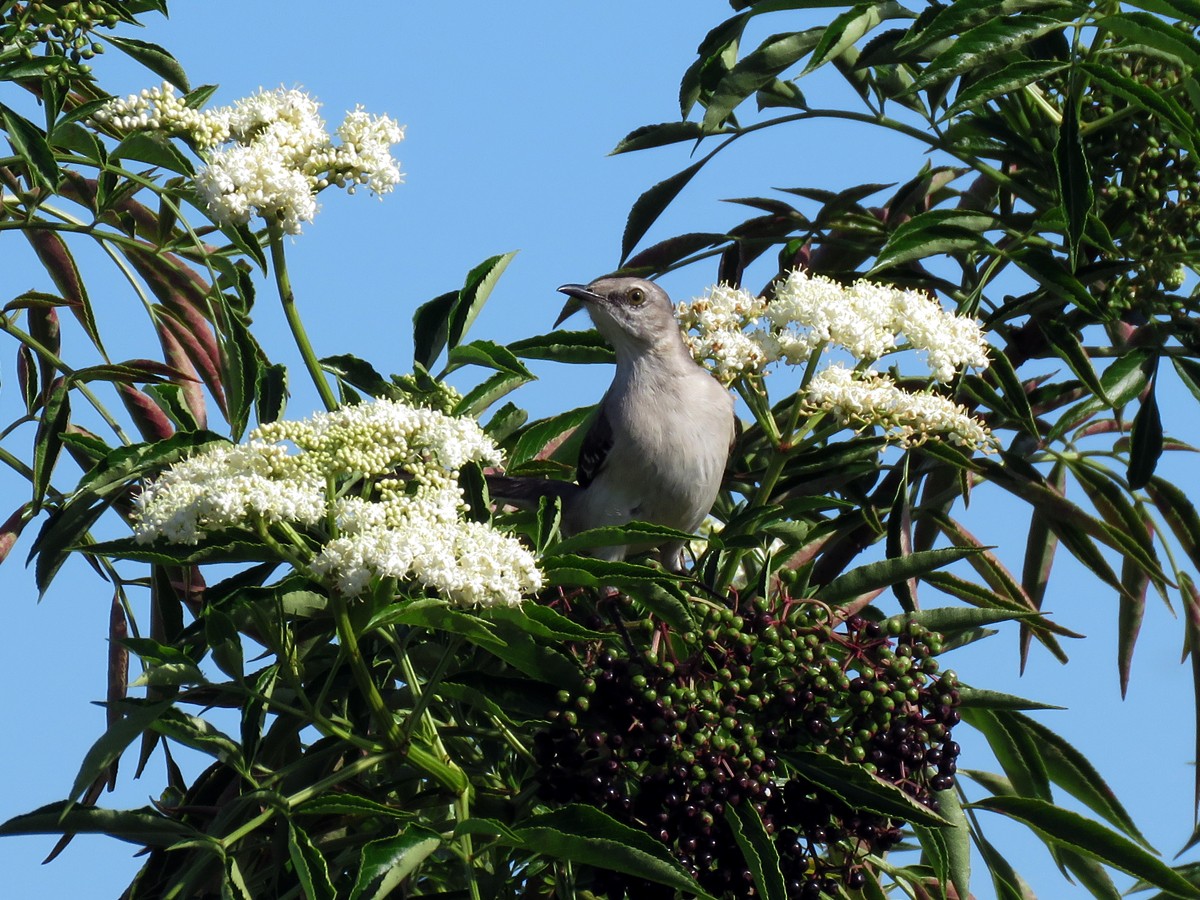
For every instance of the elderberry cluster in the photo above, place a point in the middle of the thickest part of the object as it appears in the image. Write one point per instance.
(667, 740)
(63, 30)
(1145, 182)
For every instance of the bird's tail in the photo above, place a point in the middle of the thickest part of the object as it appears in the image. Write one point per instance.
(526, 491)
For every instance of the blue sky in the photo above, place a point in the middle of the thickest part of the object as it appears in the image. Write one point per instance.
(511, 110)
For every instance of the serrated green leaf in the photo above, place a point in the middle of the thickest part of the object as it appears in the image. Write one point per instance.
(489, 355)
(613, 535)
(1091, 840)
(762, 859)
(650, 205)
(586, 835)
(29, 142)
(1146, 441)
(574, 347)
(386, 863)
(980, 45)
(477, 400)
(473, 295)
(884, 573)
(1074, 178)
(431, 329)
(154, 58)
(107, 749)
(312, 871)
(536, 437)
(659, 135)
(1074, 773)
(144, 827)
(1009, 78)
(859, 788)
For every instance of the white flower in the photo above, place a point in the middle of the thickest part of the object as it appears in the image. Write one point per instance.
(868, 398)
(279, 153)
(402, 516)
(737, 334)
(226, 486)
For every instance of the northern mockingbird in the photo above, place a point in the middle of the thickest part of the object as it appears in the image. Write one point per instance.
(657, 449)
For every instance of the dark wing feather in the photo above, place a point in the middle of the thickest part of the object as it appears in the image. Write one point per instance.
(593, 453)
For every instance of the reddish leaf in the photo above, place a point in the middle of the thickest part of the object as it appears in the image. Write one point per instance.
(52, 250)
(176, 356)
(198, 352)
(151, 421)
(118, 671)
(12, 528)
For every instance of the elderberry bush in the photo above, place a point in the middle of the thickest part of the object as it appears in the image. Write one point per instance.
(669, 736)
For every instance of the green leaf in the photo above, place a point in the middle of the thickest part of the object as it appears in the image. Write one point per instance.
(436, 615)
(202, 735)
(845, 30)
(1090, 839)
(576, 347)
(271, 393)
(144, 827)
(543, 622)
(980, 45)
(648, 136)
(754, 71)
(48, 439)
(534, 439)
(1074, 178)
(1011, 77)
(984, 699)
(885, 573)
(107, 749)
(584, 834)
(1015, 748)
(1146, 441)
(489, 355)
(431, 328)
(171, 399)
(1144, 28)
(473, 295)
(219, 547)
(387, 862)
(937, 231)
(1179, 513)
(341, 804)
(951, 619)
(361, 374)
(949, 848)
(860, 789)
(757, 850)
(29, 142)
(154, 58)
(650, 205)
(636, 533)
(312, 871)
(488, 392)
(1074, 773)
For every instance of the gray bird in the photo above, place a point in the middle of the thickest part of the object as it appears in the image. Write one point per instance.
(657, 449)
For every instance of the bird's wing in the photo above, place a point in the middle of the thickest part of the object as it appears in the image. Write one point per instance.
(596, 444)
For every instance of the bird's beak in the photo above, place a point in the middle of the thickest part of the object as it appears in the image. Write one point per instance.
(579, 295)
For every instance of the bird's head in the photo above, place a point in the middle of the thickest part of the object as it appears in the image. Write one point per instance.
(633, 314)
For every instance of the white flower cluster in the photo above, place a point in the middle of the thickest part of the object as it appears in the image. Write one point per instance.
(401, 518)
(721, 328)
(279, 152)
(738, 333)
(868, 398)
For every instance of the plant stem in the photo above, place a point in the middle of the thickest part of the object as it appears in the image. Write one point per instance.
(444, 772)
(283, 283)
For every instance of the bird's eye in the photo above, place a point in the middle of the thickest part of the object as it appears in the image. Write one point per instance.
(636, 296)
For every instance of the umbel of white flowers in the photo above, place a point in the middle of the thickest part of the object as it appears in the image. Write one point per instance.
(376, 485)
(267, 154)
(736, 334)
